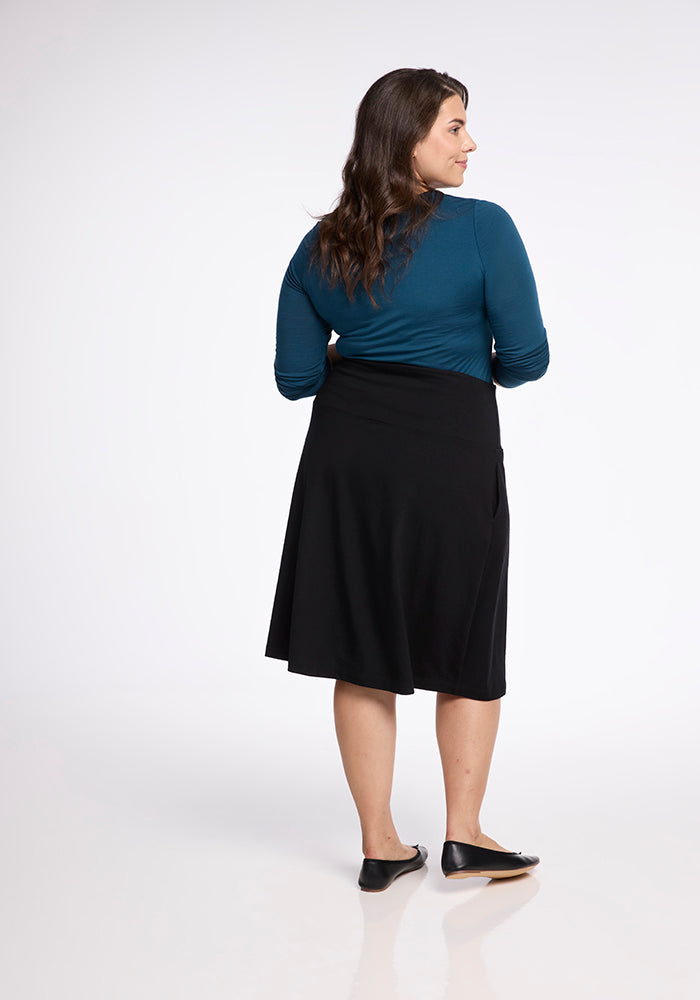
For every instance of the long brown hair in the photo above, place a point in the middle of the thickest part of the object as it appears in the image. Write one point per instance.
(379, 182)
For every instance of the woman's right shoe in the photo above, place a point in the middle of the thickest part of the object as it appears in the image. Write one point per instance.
(464, 860)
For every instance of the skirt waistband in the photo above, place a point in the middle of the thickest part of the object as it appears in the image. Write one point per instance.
(418, 397)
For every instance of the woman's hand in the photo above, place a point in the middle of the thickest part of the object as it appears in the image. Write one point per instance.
(333, 355)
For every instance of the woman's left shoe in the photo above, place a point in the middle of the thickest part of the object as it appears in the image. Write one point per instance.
(376, 874)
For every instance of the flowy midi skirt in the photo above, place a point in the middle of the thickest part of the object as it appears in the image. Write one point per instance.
(394, 566)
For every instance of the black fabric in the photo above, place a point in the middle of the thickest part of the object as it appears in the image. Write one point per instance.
(394, 567)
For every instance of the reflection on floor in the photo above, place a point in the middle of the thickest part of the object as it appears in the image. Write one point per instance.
(172, 861)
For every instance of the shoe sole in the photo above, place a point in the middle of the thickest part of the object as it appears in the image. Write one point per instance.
(488, 874)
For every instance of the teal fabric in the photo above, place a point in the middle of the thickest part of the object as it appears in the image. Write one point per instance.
(468, 290)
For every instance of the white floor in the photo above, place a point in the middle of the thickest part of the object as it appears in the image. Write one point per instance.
(178, 851)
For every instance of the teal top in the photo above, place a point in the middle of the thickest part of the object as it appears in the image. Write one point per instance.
(468, 290)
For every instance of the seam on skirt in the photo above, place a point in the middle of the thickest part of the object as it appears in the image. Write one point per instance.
(430, 368)
(323, 405)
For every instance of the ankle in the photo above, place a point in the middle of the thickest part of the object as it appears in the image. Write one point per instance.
(381, 847)
(464, 835)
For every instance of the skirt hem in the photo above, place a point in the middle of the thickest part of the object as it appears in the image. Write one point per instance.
(419, 684)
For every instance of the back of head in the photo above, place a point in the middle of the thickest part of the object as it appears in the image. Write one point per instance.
(380, 184)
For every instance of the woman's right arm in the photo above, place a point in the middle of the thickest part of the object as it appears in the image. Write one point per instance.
(520, 339)
(493, 361)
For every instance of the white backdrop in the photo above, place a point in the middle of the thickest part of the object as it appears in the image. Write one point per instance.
(160, 163)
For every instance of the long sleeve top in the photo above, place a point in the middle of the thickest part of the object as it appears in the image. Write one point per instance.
(468, 290)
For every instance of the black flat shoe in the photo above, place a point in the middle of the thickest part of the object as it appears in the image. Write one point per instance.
(376, 874)
(463, 860)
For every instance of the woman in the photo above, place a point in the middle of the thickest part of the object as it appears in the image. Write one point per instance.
(393, 573)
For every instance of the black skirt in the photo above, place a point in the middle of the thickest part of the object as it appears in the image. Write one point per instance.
(394, 567)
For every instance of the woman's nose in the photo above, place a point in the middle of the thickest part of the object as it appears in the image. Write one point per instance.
(469, 144)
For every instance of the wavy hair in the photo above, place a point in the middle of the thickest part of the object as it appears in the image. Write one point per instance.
(379, 182)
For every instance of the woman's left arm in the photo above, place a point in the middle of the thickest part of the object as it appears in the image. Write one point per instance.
(333, 355)
(302, 357)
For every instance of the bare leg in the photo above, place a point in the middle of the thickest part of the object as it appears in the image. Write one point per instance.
(365, 724)
(466, 734)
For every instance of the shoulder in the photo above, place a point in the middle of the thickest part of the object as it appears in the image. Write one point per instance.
(482, 214)
(493, 225)
(485, 217)
(490, 212)
(452, 206)
(300, 257)
(306, 240)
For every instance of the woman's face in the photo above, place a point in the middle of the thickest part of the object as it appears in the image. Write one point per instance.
(441, 158)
